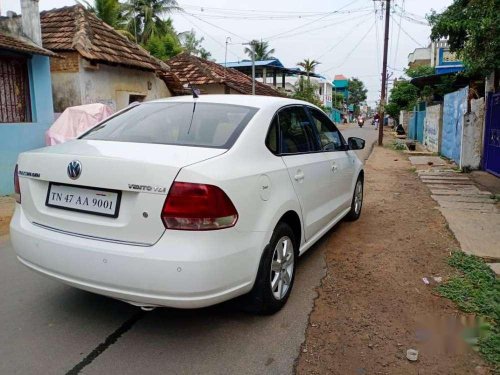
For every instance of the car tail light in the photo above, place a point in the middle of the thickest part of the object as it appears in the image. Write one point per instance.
(17, 189)
(198, 207)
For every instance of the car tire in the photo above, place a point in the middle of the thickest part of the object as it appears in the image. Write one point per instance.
(276, 270)
(357, 201)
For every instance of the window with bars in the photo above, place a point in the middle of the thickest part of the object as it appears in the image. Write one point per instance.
(14, 90)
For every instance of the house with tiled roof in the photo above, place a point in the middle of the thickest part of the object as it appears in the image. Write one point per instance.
(26, 109)
(98, 64)
(212, 78)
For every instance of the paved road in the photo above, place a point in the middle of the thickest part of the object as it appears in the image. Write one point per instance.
(47, 327)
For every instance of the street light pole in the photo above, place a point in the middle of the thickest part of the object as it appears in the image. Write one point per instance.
(384, 73)
(228, 39)
(252, 49)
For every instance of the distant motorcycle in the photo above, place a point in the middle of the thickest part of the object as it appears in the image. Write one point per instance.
(361, 122)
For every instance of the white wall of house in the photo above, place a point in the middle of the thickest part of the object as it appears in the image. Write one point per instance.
(472, 138)
(419, 55)
(114, 85)
(213, 88)
(325, 94)
(433, 127)
(111, 85)
(66, 90)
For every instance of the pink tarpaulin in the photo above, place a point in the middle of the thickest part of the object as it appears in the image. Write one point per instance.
(76, 120)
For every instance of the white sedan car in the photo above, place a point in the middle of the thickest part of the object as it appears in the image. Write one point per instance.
(188, 202)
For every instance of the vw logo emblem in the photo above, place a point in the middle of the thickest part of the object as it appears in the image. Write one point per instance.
(74, 169)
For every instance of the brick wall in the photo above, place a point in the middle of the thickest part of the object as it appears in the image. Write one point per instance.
(70, 63)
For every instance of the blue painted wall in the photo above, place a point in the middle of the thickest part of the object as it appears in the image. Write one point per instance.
(18, 137)
(454, 108)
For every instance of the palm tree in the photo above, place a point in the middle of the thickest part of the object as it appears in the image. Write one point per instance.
(308, 65)
(144, 17)
(261, 50)
(110, 11)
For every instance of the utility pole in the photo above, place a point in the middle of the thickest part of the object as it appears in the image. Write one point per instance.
(384, 73)
(228, 39)
(253, 70)
(252, 48)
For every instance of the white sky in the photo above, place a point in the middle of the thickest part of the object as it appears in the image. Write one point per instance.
(344, 43)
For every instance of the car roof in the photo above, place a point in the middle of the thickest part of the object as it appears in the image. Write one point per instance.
(257, 101)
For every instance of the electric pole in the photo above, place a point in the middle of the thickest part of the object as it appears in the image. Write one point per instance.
(384, 73)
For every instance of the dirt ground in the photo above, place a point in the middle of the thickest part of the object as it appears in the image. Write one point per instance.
(6, 210)
(373, 305)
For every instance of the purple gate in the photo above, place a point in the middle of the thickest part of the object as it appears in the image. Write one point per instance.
(492, 135)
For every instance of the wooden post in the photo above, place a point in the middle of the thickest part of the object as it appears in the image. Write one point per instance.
(384, 74)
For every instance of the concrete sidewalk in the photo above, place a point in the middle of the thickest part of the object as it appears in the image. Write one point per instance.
(472, 213)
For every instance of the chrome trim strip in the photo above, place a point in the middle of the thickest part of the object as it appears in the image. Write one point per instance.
(142, 244)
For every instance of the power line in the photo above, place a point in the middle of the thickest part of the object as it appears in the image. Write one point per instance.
(377, 37)
(211, 37)
(342, 39)
(249, 10)
(261, 17)
(218, 27)
(406, 33)
(313, 21)
(323, 27)
(352, 50)
(399, 33)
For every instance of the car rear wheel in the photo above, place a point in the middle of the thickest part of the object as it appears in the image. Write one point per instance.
(357, 201)
(276, 274)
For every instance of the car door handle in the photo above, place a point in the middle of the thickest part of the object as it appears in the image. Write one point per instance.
(334, 167)
(299, 176)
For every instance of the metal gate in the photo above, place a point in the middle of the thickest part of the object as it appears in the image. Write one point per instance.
(416, 126)
(492, 135)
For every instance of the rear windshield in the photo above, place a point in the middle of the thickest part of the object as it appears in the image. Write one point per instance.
(184, 124)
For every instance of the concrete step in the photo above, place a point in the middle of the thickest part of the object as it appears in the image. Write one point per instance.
(447, 182)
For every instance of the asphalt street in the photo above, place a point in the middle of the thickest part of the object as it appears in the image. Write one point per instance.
(47, 327)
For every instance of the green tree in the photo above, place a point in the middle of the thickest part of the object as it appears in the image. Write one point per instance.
(357, 92)
(306, 90)
(420, 71)
(110, 11)
(145, 17)
(338, 101)
(261, 49)
(472, 28)
(308, 65)
(163, 47)
(403, 96)
(192, 44)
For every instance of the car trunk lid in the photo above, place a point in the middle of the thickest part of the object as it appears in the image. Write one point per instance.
(140, 174)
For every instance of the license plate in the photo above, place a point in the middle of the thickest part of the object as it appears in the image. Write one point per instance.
(84, 199)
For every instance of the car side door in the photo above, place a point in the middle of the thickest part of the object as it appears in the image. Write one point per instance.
(307, 167)
(341, 166)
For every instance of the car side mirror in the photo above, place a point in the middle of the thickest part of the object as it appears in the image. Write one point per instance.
(356, 143)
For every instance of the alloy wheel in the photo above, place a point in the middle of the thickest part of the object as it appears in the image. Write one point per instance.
(282, 266)
(358, 197)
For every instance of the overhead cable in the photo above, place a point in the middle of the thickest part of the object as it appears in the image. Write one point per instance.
(352, 50)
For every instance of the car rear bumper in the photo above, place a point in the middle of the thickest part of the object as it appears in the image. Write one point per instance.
(183, 269)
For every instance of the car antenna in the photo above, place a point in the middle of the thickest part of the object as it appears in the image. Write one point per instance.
(195, 96)
(193, 90)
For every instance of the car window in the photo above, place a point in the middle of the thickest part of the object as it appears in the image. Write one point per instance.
(296, 131)
(272, 136)
(183, 124)
(329, 136)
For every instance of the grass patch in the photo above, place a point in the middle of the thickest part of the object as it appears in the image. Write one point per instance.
(398, 145)
(476, 290)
